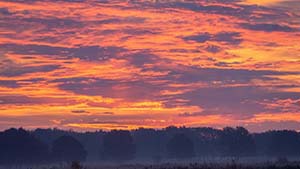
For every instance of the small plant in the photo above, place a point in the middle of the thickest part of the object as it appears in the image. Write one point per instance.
(76, 165)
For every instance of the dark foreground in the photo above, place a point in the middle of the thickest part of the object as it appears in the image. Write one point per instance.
(232, 165)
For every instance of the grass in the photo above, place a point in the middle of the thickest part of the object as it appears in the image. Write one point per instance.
(231, 165)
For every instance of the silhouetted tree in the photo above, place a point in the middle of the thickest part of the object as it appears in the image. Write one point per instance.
(76, 165)
(18, 146)
(68, 149)
(92, 141)
(180, 146)
(236, 142)
(118, 145)
(148, 143)
(283, 144)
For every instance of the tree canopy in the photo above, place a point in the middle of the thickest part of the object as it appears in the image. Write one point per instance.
(19, 146)
(68, 149)
(180, 146)
(118, 145)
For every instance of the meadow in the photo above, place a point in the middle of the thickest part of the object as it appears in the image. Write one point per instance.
(279, 164)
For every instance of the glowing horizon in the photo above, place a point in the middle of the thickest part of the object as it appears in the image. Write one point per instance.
(89, 65)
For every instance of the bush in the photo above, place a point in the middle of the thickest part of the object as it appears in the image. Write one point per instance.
(76, 165)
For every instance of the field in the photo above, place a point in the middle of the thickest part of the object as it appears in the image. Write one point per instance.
(229, 165)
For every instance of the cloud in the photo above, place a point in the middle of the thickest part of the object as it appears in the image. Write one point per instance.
(228, 37)
(9, 83)
(232, 38)
(213, 49)
(122, 20)
(5, 11)
(286, 105)
(108, 113)
(225, 76)
(20, 83)
(80, 111)
(201, 38)
(87, 53)
(53, 23)
(9, 68)
(27, 100)
(129, 90)
(269, 27)
(137, 32)
(219, 7)
(141, 58)
(13, 71)
(214, 9)
(192, 58)
(240, 102)
(190, 114)
(212, 94)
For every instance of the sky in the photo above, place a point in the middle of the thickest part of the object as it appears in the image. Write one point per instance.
(109, 64)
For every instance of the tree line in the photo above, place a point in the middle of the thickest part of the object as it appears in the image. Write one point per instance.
(19, 146)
